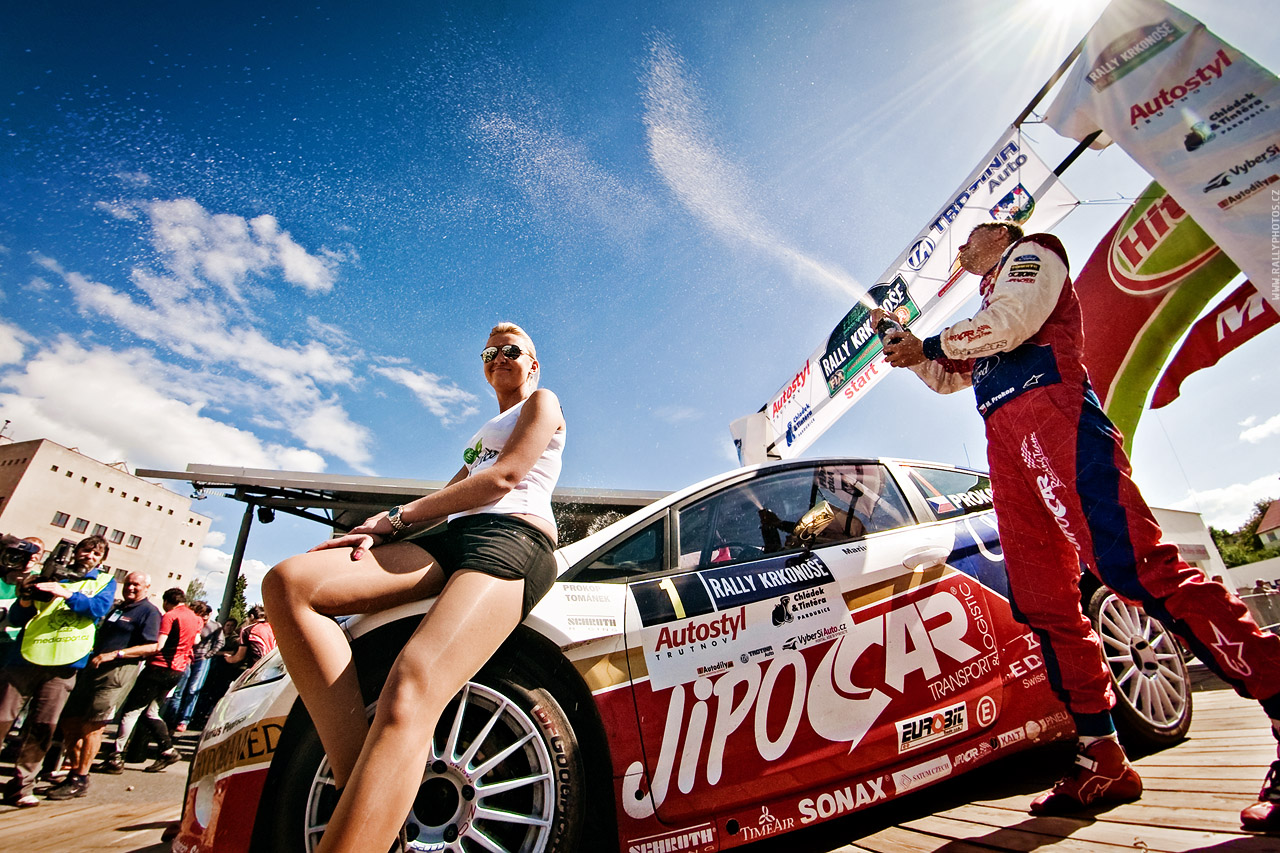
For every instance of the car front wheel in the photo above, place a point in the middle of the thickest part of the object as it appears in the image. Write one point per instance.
(1148, 673)
(505, 774)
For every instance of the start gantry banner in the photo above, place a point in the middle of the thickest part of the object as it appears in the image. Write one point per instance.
(1200, 116)
(923, 287)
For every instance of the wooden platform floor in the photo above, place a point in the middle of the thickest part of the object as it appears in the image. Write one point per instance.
(1193, 795)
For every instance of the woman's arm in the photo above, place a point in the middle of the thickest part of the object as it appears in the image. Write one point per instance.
(538, 422)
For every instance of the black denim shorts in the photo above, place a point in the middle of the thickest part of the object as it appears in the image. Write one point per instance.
(499, 545)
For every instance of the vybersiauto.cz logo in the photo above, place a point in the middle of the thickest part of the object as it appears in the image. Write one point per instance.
(1223, 179)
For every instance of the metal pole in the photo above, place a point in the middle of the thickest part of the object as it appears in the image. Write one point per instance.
(1044, 90)
(233, 573)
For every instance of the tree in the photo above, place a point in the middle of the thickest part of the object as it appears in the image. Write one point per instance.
(196, 590)
(1242, 546)
(238, 604)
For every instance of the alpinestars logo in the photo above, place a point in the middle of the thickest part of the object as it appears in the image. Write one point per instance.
(1230, 655)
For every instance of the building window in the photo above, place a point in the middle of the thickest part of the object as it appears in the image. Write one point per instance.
(170, 512)
(116, 537)
(53, 467)
(111, 490)
(148, 503)
(97, 485)
(135, 498)
(124, 494)
(99, 530)
(81, 525)
(170, 574)
(134, 540)
(60, 519)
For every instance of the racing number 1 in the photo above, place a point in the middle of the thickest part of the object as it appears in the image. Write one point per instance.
(670, 588)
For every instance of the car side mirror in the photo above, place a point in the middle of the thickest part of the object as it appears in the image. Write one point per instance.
(814, 522)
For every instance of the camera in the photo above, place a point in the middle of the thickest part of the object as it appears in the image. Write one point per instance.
(16, 554)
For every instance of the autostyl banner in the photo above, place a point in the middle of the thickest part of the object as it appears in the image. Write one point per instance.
(922, 287)
(1200, 116)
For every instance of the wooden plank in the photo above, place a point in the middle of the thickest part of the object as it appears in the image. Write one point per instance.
(1036, 832)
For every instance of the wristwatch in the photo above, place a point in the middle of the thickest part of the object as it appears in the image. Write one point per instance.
(397, 523)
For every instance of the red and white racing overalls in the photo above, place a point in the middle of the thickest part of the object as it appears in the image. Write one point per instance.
(1063, 492)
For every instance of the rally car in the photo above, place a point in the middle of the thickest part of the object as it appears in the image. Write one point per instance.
(768, 649)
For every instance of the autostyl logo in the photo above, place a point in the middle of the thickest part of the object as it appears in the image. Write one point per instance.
(794, 387)
(722, 629)
(1156, 104)
(1242, 169)
(762, 705)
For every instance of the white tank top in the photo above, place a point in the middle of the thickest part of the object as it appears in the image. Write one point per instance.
(532, 495)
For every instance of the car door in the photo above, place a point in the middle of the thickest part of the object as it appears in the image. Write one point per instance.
(741, 689)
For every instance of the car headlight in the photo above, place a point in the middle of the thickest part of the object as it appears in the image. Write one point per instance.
(270, 668)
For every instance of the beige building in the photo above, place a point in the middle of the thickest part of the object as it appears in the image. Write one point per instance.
(62, 496)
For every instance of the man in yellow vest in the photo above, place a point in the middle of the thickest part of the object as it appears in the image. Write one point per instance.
(59, 621)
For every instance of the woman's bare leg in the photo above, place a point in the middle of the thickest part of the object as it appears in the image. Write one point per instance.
(302, 593)
(467, 624)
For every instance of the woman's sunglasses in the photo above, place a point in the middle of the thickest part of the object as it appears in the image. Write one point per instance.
(511, 351)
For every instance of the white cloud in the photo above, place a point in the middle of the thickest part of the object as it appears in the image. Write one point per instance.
(183, 313)
(128, 405)
(213, 568)
(1228, 507)
(215, 539)
(682, 148)
(448, 402)
(12, 341)
(227, 249)
(1261, 432)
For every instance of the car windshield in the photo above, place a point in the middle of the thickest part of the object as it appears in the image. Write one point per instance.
(759, 517)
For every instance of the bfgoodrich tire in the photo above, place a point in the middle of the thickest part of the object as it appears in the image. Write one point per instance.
(1148, 673)
(506, 770)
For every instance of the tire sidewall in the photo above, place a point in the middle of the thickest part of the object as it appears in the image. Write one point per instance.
(1134, 729)
(288, 792)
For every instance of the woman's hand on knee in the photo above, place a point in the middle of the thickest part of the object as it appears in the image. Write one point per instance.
(359, 543)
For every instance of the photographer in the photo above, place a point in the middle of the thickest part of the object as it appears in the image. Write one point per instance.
(17, 558)
(58, 618)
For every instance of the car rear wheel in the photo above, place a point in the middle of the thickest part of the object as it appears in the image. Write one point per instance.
(1148, 673)
(505, 774)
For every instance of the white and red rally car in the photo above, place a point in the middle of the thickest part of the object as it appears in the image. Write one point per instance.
(771, 648)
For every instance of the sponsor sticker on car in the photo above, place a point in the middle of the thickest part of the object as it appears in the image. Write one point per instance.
(704, 623)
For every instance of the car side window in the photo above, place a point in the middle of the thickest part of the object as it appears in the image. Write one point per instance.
(953, 493)
(638, 554)
(758, 517)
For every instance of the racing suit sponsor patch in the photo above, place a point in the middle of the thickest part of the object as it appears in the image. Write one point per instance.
(1000, 378)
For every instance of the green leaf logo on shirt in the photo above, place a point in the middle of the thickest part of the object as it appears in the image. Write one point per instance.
(472, 453)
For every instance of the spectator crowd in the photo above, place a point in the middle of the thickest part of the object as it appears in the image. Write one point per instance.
(81, 654)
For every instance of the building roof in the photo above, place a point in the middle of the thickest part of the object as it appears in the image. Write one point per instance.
(1270, 519)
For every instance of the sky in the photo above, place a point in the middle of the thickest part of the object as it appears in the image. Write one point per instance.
(276, 235)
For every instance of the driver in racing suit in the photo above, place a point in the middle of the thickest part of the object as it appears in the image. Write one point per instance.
(1063, 495)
